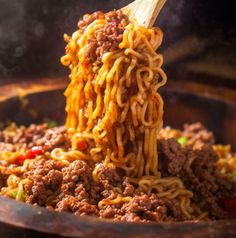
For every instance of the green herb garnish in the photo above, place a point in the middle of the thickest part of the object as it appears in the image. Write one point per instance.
(182, 140)
(51, 123)
(15, 193)
(23, 196)
(234, 174)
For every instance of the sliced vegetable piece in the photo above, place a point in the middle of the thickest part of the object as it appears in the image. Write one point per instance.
(234, 174)
(30, 154)
(23, 196)
(82, 145)
(14, 193)
(182, 140)
(51, 123)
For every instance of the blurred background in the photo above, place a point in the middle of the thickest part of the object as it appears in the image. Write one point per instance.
(199, 38)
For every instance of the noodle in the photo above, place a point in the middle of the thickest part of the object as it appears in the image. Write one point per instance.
(114, 118)
(93, 108)
(123, 131)
(226, 165)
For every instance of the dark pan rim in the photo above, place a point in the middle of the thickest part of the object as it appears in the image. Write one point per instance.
(21, 215)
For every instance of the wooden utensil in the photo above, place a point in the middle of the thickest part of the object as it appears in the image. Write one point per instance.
(144, 12)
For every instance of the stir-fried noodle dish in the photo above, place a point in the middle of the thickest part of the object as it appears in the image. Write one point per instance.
(113, 159)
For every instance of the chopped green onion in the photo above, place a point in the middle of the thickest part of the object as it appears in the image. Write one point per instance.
(182, 140)
(51, 123)
(14, 193)
(234, 174)
(23, 196)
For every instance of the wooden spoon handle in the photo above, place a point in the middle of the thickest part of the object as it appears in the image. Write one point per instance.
(144, 12)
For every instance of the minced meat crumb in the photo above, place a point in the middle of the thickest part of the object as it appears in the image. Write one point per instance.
(71, 188)
(106, 39)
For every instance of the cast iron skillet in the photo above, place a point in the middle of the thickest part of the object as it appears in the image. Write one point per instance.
(216, 108)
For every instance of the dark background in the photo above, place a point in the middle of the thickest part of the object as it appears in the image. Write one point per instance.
(199, 37)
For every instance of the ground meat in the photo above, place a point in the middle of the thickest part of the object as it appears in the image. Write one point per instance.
(78, 182)
(200, 168)
(34, 135)
(174, 210)
(73, 204)
(172, 156)
(79, 193)
(7, 147)
(105, 39)
(198, 135)
(143, 207)
(109, 177)
(77, 173)
(64, 188)
(45, 179)
(22, 137)
(72, 187)
(129, 188)
(227, 187)
(146, 207)
(197, 169)
(54, 138)
(111, 212)
(110, 181)
(88, 19)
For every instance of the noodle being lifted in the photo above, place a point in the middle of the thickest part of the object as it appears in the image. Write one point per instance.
(113, 104)
(112, 100)
(114, 160)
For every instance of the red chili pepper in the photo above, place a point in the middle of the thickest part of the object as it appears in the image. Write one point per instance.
(230, 205)
(30, 154)
(20, 159)
(82, 145)
(86, 64)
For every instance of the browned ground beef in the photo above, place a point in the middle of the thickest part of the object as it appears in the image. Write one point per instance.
(108, 38)
(197, 169)
(45, 182)
(34, 135)
(24, 137)
(72, 188)
(53, 138)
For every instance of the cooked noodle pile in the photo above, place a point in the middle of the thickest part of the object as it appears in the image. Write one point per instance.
(105, 162)
(114, 105)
